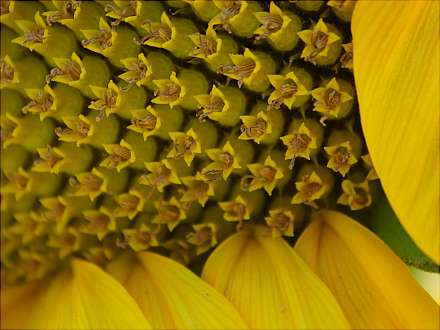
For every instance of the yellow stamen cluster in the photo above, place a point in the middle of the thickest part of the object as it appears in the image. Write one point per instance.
(137, 127)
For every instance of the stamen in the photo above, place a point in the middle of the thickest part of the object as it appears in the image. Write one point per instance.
(128, 203)
(148, 122)
(319, 43)
(168, 213)
(55, 211)
(356, 195)
(206, 46)
(18, 180)
(6, 72)
(341, 157)
(183, 145)
(256, 129)
(246, 182)
(241, 71)
(107, 102)
(235, 210)
(140, 238)
(138, 69)
(79, 130)
(263, 176)
(299, 142)
(98, 223)
(4, 7)
(197, 190)
(267, 174)
(7, 129)
(215, 104)
(361, 196)
(226, 159)
(160, 176)
(34, 36)
(332, 98)
(287, 90)
(346, 60)
(103, 39)
(70, 69)
(41, 103)
(270, 24)
(308, 192)
(67, 12)
(87, 183)
(160, 33)
(48, 157)
(169, 92)
(119, 155)
(281, 222)
(203, 237)
(128, 10)
(231, 9)
(310, 189)
(212, 174)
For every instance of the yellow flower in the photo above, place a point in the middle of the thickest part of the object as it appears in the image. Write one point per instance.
(270, 285)
(399, 108)
(158, 212)
(323, 44)
(336, 247)
(334, 100)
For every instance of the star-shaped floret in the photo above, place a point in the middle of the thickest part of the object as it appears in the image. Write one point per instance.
(356, 195)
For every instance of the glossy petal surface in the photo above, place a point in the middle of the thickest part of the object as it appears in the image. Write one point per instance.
(396, 68)
(373, 286)
(171, 296)
(85, 298)
(270, 285)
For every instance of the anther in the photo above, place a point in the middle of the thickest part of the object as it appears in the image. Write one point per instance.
(34, 36)
(148, 122)
(255, 130)
(67, 11)
(4, 7)
(6, 72)
(169, 92)
(231, 9)
(41, 103)
(215, 104)
(270, 24)
(103, 39)
(158, 32)
(240, 71)
(206, 46)
(183, 145)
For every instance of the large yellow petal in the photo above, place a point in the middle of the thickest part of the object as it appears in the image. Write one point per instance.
(396, 68)
(83, 298)
(270, 285)
(171, 296)
(373, 286)
(16, 305)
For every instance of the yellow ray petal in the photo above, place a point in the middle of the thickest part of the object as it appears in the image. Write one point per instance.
(396, 68)
(84, 298)
(171, 296)
(270, 285)
(373, 286)
(16, 305)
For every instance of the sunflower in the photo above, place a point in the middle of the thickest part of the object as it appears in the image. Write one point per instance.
(219, 164)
